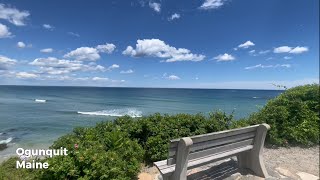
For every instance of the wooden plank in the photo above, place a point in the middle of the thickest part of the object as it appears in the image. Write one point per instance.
(216, 135)
(160, 164)
(215, 150)
(220, 149)
(216, 142)
(207, 159)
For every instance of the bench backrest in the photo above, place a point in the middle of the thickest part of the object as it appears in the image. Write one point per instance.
(217, 142)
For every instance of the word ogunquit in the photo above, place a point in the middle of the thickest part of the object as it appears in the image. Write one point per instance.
(42, 152)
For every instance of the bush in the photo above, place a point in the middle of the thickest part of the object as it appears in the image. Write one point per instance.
(100, 155)
(293, 117)
(8, 171)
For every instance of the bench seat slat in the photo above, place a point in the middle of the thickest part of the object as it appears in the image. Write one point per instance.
(216, 135)
(216, 142)
(215, 150)
(169, 169)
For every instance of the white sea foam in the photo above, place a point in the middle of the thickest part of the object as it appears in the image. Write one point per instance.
(40, 100)
(6, 141)
(255, 97)
(114, 112)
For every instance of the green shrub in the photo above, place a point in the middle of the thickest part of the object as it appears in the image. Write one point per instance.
(8, 171)
(100, 155)
(293, 116)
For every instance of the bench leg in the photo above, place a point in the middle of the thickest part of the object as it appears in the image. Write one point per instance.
(253, 159)
(252, 162)
(182, 154)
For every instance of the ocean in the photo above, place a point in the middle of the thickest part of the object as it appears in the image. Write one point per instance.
(34, 116)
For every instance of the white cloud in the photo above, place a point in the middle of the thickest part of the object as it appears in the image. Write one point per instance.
(21, 45)
(90, 53)
(106, 48)
(287, 57)
(100, 79)
(52, 65)
(264, 52)
(13, 15)
(174, 16)
(268, 66)
(4, 31)
(246, 45)
(224, 57)
(158, 48)
(173, 77)
(26, 75)
(212, 4)
(292, 50)
(113, 66)
(6, 62)
(48, 26)
(46, 50)
(155, 6)
(73, 34)
(83, 53)
(298, 50)
(129, 71)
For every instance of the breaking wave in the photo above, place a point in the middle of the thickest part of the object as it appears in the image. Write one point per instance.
(6, 141)
(114, 112)
(40, 100)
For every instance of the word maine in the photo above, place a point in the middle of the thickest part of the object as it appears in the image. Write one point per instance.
(27, 153)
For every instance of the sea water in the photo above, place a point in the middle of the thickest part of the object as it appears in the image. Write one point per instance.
(34, 116)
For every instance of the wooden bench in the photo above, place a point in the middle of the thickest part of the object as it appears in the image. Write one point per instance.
(191, 152)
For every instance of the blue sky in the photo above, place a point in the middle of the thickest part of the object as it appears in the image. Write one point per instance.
(246, 44)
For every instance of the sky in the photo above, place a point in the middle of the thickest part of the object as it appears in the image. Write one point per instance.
(231, 44)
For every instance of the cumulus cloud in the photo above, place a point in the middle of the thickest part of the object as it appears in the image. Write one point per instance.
(52, 65)
(171, 77)
(155, 6)
(21, 45)
(174, 16)
(292, 50)
(26, 75)
(6, 62)
(48, 26)
(287, 57)
(212, 4)
(224, 57)
(129, 71)
(106, 48)
(113, 66)
(4, 31)
(246, 45)
(90, 53)
(46, 50)
(13, 15)
(158, 48)
(83, 53)
(268, 66)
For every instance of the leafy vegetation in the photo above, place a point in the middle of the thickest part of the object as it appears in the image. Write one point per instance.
(293, 117)
(115, 150)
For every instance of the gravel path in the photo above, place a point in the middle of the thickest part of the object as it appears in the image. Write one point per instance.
(281, 163)
(293, 159)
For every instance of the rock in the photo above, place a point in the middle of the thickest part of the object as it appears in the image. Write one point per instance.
(307, 176)
(285, 172)
(3, 146)
(145, 176)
